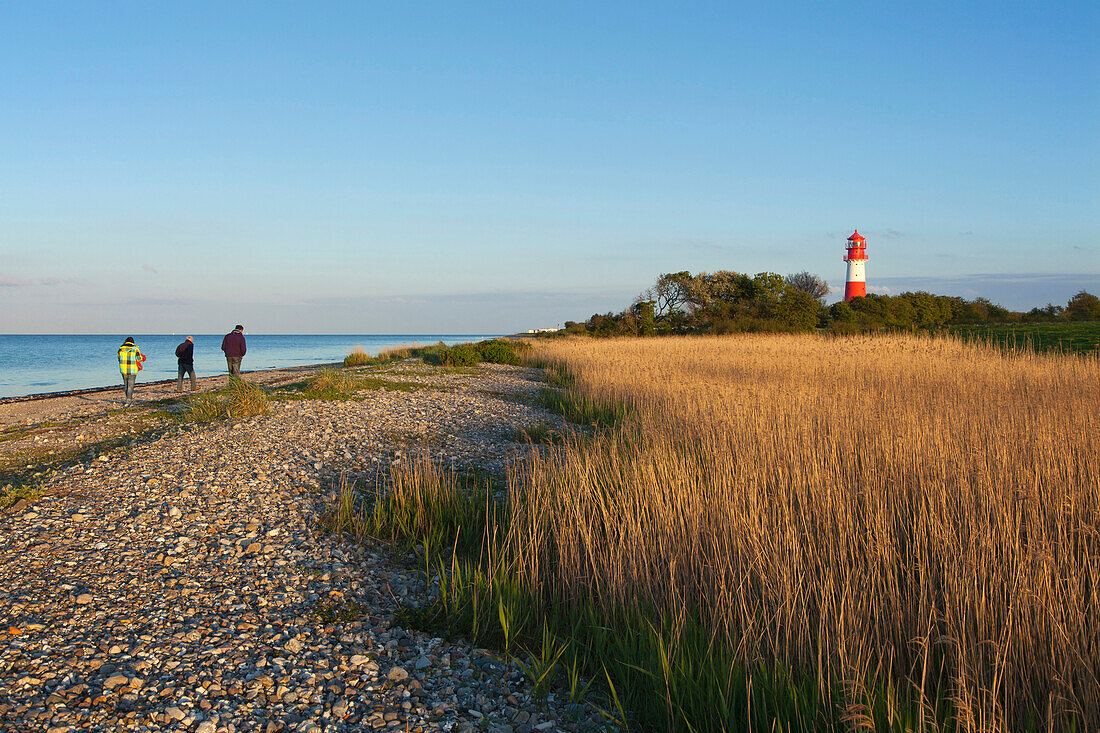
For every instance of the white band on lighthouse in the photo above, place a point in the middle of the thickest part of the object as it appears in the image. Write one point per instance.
(857, 272)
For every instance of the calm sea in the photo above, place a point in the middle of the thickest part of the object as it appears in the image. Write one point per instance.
(35, 364)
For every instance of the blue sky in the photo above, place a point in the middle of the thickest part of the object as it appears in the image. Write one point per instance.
(429, 167)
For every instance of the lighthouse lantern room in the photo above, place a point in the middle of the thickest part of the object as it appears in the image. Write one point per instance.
(856, 257)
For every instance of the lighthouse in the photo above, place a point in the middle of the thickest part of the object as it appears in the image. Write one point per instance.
(856, 257)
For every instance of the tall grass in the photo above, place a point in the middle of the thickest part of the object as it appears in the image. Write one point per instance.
(423, 503)
(239, 399)
(796, 533)
(358, 357)
(910, 523)
(331, 384)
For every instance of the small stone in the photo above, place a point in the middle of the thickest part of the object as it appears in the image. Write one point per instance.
(114, 681)
(423, 663)
(174, 713)
(293, 646)
(84, 599)
(206, 726)
(397, 674)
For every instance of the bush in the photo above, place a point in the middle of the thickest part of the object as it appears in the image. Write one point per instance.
(436, 355)
(463, 355)
(498, 351)
(494, 351)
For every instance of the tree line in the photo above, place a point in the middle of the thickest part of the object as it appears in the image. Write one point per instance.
(733, 302)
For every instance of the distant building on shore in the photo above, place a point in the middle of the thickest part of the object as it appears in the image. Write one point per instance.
(542, 330)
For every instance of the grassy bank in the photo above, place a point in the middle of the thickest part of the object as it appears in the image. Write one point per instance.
(1082, 337)
(794, 533)
(492, 351)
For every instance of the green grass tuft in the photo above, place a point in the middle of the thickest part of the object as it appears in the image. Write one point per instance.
(11, 493)
(239, 399)
(541, 432)
(582, 409)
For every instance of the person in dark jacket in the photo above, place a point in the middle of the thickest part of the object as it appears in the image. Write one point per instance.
(185, 355)
(234, 347)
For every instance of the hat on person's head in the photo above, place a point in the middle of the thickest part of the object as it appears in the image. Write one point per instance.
(238, 327)
(189, 339)
(129, 340)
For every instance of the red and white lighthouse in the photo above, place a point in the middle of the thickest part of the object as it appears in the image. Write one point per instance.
(856, 257)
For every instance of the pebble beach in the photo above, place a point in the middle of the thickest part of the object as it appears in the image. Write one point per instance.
(173, 575)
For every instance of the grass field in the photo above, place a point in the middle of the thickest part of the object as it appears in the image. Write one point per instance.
(1072, 337)
(794, 533)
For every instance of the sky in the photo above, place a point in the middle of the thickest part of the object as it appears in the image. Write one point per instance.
(492, 167)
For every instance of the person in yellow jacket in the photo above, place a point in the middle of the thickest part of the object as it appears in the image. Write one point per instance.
(129, 363)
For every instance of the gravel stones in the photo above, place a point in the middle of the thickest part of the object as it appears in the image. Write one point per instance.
(196, 591)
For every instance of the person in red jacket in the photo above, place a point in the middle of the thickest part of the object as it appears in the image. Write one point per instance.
(234, 347)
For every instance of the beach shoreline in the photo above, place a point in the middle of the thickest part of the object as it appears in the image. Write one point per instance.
(69, 404)
(159, 382)
(172, 573)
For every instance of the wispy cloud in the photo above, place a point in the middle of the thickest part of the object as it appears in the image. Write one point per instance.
(149, 268)
(892, 234)
(7, 281)
(157, 301)
(880, 289)
(400, 299)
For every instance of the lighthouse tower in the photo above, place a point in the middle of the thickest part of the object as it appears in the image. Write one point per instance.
(856, 257)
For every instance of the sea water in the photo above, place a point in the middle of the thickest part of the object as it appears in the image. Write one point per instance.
(36, 364)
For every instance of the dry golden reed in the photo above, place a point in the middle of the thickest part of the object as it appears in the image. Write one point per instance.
(898, 510)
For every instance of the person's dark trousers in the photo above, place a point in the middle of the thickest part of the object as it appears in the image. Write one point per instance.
(128, 382)
(185, 369)
(234, 363)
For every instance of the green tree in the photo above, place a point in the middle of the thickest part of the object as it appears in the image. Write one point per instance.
(799, 309)
(670, 293)
(810, 283)
(1083, 307)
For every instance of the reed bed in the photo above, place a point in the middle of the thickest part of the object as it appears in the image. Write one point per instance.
(911, 524)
